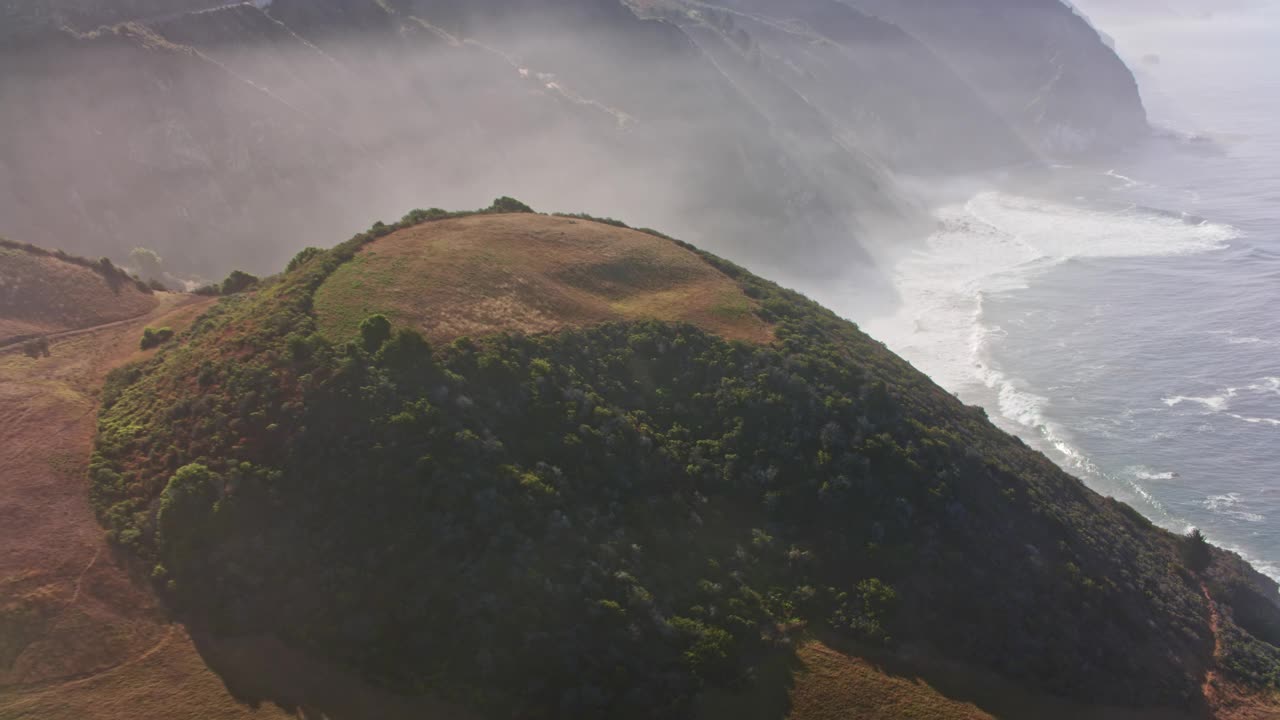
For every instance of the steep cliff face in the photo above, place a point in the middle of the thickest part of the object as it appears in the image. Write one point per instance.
(1038, 63)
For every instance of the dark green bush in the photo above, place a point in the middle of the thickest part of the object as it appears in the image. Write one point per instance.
(155, 337)
(36, 348)
(238, 281)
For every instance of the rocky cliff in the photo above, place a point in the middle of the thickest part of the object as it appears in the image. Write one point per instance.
(1038, 63)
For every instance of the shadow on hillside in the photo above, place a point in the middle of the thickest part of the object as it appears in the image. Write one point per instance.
(767, 698)
(262, 670)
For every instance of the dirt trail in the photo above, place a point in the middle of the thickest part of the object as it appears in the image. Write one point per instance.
(1209, 687)
(13, 346)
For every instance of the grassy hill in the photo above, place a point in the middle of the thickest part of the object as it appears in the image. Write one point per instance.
(44, 292)
(553, 467)
(491, 274)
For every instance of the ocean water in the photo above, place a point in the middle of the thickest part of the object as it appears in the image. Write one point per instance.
(1125, 318)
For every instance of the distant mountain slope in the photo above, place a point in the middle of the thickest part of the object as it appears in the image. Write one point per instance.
(206, 135)
(1037, 62)
(222, 134)
(44, 292)
(875, 87)
(639, 518)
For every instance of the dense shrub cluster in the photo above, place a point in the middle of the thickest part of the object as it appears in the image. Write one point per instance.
(606, 521)
(155, 337)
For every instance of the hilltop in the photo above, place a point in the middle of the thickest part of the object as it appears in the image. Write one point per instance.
(490, 274)
(607, 474)
(44, 292)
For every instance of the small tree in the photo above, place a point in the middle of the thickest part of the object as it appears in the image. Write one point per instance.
(303, 257)
(36, 348)
(1195, 551)
(155, 337)
(506, 204)
(148, 262)
(238, 281)
(375, 331)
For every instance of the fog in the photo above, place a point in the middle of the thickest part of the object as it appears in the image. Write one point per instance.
(776, 134)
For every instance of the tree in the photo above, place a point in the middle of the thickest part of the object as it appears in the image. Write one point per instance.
(506, 204)
(238, 281)
(1195, 551)
(303, 257)
(36, 348)
(184, 517)
(374, 332)
(155, 337)
(148, 262)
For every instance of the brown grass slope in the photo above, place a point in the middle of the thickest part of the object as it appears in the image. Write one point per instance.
(488, 274)
(42, 293)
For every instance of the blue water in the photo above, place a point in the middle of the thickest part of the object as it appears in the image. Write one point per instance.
(1125, 318)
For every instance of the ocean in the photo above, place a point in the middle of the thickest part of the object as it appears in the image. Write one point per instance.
(1125, 318)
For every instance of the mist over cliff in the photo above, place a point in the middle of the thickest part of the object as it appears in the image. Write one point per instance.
(772, 132)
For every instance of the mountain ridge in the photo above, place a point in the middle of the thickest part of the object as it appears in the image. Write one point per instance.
(751, 139)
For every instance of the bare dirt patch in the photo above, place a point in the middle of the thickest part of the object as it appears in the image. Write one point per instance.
(488, 274)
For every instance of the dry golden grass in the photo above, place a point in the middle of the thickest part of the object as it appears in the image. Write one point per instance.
(833, 686)
(820, 682)
(487, 274)
(42, 294)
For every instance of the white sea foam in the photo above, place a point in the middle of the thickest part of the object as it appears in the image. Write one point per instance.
(1274, 422)
(1221, 402)
(1229, 505)
(1215, 403)
(997, 243)
(1147, 474)
(1125, 179)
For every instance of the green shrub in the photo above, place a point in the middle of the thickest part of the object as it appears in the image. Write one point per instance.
(155, 337)
(238, 281)
(375, 331)
(509, 205)
(303, 257)
(36, 348)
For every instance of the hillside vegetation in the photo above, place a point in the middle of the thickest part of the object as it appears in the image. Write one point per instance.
(43, 292)
(623, 514)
